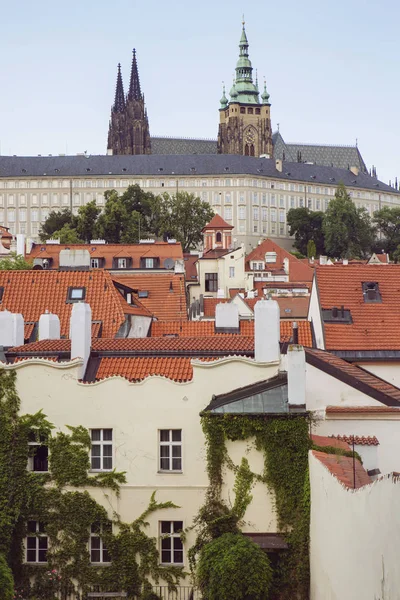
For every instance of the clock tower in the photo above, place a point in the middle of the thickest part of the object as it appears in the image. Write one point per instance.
(245, 121)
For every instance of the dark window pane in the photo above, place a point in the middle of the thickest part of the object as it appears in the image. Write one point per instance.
(41, 527)
(178, 526)
(32, 526)
(178, 556)
(166, 543)
(176, 451)
(31, 556)
(95, 435)
(165, 556)
(107, 463)
(95, 527)
(164, 451)
(164, 464)
(95, 556)
(165, 527)
(31, 542)
(96, 450)
(177, 464)
(106, 556)
(95, 543)
(107, 435)
(178, 543)
(42, 555)
(176, 435)
(43, 543)
(107, 450)
(95, 463)
(40, 459)
(164, 435)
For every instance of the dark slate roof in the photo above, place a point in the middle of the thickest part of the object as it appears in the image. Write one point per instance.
(169, 145)
(342, 157)
(173, 165)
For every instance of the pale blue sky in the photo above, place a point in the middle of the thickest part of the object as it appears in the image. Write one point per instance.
(332, 70)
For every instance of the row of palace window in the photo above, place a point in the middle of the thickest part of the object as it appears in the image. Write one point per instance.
(170, 542)
(102, 452)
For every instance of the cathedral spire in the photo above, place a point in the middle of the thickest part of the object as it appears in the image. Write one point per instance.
(247, 91)
(134, 86)
(119, 102)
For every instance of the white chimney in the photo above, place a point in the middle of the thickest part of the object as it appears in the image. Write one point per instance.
(267, 331)
(296, 366)
(49, 326)
(97, 242)
(179, 266)
(20, 244)
(80, 333)
(323, 260)
(345, 261)
(286, 265)
(220, 293)
(29, 244)
(227, 316)
(279, 165)
(11, 329)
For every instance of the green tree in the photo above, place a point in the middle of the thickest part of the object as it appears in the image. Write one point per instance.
(306, 225)
(87, 220)
(6, 580)
(56, 221)
(14, 262)
(68, 235)
(311, 249)
(387, 221)
(232, 566)
(348, 230)
(185, 217)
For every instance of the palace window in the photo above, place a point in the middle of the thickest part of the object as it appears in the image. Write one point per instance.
(171, 543)
(102, 450)
(36, 543)
(170, 441)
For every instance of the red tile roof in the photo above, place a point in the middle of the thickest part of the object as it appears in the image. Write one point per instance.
(323, 441)
(217, 222)
(166, 293)
(190, 267)
(362, 440)
(342, 467)
(298, 271)
(362, 380)
(161, 250)
(32, 292)
(207, 329)
(375, 326)
(137, 369)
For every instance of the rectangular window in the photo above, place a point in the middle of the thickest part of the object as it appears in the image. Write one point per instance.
(292, 202)
(22, 215)
(149, 263)
(170, 449)
(11, 216)
(228, 214)
(255, 198)
(231, 272)
(309, 203)
(101, 451)
(264, 214)
(211, 282)
(317, 204)
(255, 213)
(98, 550)
(171, 543)
(36, 543)
(217, 198)
(273, 216)
(76, 294)
(228, 199)
(281, 216)
(121, 263)
(94, 263)
(241, 199)
(38, 460)
(255, 228)
(264, 198)
(281, 202)
(242, 212)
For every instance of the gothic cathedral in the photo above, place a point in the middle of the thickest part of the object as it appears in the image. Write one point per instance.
(129, 126)
(245, 122)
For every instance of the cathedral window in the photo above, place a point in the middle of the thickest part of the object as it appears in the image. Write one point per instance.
(246, 150)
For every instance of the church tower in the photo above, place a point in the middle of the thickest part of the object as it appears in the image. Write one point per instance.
(245, 122)
(129, 125)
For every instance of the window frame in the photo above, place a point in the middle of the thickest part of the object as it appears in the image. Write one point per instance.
(32, 455)
(173, 536)
(38, 534)
(97, 535)
(211, 282)
(71, 289)
(101, 443)
(170, 444)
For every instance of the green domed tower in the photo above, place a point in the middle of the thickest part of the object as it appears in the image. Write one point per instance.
(245, 121)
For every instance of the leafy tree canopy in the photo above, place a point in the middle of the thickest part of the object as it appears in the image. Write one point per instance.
(56, 221)
(87, 217)
(306, 225)
(347, 229)
(232, 566)
(387, 221)
(14, 262)
(67, 235)
(184, 218)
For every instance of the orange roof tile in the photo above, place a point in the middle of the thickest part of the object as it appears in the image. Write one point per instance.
(324, 441)
(32, 292)
(162, 250)
(298, 271)
(136, 369)
(359, 440)
(190, 267)
(342, 467)
(162, 301)
(375, 326)
(217, 222)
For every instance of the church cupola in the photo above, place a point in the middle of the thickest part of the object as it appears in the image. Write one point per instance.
(224, 99)
(217, 234)
(265, 95)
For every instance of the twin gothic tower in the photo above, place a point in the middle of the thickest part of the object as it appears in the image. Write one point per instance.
(245, 122)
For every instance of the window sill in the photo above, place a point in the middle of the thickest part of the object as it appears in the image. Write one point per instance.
(95, 471)
(172, 564)
(160, 472)
(100, 564)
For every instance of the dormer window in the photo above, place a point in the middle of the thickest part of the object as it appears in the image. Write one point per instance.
(121, 263)
(143, 294)
(337, 315)
(76, 294)
(371, 292)
(270, 257)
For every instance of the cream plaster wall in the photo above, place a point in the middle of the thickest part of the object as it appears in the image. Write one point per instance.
(314, 315)
(355, 538)
(389, 371)
(136, 412)
(221, 266)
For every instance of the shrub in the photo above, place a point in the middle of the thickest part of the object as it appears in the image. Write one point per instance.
(6, 580)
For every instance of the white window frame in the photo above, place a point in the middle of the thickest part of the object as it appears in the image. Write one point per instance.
(37, 535)
(149, 263)
(231, 272)
(121, 263)
(176, 540)
(101, 443)
(94, 263)
(96, 530)
(169, 444)
(31, 459)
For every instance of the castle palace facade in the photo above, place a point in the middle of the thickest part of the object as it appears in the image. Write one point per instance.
(244, 125)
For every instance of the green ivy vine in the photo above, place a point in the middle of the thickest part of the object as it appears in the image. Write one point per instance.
(285, 443)
(54, 498)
